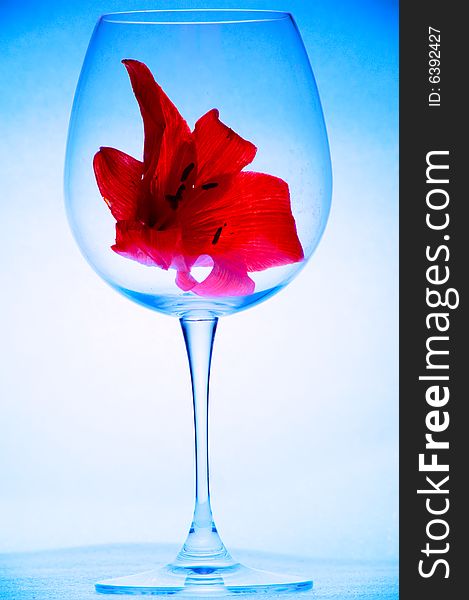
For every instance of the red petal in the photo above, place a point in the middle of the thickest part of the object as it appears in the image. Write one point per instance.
(225, 279)
(246, 221)
(119, 178)
(219, 149)
(157, 110)
(168, 148)
(185, 281)
(145, 244)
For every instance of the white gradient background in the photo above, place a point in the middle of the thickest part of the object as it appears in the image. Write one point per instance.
(95, 413)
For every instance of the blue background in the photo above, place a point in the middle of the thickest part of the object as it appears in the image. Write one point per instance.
(304, 410)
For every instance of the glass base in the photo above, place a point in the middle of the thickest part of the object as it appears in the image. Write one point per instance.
(199, 582)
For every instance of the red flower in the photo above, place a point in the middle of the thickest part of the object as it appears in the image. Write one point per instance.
(189, 203)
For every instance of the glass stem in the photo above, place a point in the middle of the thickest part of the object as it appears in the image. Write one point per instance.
(203, 546)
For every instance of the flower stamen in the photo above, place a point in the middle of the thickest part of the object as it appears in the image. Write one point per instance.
(173, 199)
(187, 170)
(217, 235)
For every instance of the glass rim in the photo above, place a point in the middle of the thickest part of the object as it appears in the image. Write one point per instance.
(194, 16)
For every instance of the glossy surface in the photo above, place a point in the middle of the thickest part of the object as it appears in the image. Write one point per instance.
(70, 574)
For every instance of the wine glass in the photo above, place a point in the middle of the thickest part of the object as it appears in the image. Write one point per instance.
(198, 184)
